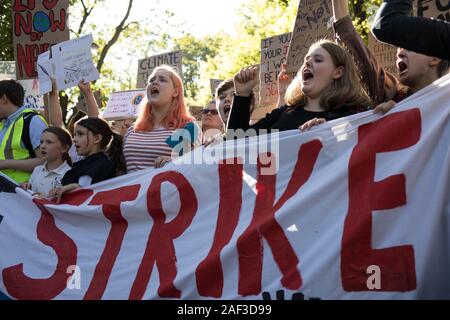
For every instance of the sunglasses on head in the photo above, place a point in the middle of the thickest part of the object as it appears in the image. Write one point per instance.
(213, 112)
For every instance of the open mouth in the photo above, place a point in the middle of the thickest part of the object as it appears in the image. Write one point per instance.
(154, 91)
(307, 75)
(44, 153)
(402, 67)
(226, 109)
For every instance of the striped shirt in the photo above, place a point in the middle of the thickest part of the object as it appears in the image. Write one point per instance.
(142, 148)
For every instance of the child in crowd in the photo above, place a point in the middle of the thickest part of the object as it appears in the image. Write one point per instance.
(102, 152)
(55, 144)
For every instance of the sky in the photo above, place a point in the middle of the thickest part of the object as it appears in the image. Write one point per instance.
(201, 17)
(206, 16)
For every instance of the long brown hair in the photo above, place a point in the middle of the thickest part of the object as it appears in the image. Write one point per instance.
(346, 91)
(178, 114)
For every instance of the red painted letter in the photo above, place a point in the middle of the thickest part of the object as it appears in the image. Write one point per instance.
(396, 132)
(264, 225)
(209, 273)
(110, 202)
(160, 248)
(22, 287)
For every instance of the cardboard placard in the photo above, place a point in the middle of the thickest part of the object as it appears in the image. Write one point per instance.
(214, 83)
(123, 105)
(37, 25)
(313, 22)
(33, 100)
(7, 70)
(438, 9)
(146, 66)
(274, 51)
(384, 53)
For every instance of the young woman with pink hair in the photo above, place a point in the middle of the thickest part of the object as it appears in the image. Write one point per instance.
(165, 112)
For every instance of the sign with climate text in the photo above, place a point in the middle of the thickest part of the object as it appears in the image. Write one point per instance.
(146, 66)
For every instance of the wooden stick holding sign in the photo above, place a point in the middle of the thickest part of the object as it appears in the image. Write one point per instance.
(313, 22)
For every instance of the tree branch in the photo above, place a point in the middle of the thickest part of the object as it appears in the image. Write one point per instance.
(86, 13)
(114, 38)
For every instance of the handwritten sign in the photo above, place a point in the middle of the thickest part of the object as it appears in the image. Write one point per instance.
(33, 100)
(37, 25)
(214, 84)
(73, 62)
(313, 22)
(274, 51)
(123, 105)
(69, 63)
(385, 54)
(7, 70)
(438, 9)
(146, 66)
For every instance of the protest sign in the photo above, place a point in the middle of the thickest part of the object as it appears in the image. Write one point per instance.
(32, 100)
(274, 51)
(146, 66)
(385, 54)
(46, 71)
(438, 9)
(313, 22)
(36, 26)
(124, 105)
(357, 208)
(73, 62)
(68, 62)
(214, 83)
(7, 70)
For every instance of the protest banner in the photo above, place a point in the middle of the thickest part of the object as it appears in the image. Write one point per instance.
(37, 25)
(357, 208)
(274, 51)
(313, 22)
(123, 105)
(146, 66)
(214, 83)
(7, 70)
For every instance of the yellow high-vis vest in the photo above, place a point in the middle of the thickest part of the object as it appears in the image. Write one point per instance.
(11, 147)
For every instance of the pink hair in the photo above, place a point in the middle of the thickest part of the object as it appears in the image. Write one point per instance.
(178, 114)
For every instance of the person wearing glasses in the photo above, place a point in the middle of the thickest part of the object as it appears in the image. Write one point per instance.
(212, 124)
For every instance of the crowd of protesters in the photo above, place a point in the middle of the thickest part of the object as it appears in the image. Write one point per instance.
(336, 79)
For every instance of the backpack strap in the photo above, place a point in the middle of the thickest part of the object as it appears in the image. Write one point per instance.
(27, 117)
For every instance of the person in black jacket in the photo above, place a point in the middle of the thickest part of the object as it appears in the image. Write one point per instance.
(326, 87)
(393, 24)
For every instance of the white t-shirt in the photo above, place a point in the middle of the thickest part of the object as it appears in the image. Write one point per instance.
(42, 180)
